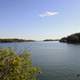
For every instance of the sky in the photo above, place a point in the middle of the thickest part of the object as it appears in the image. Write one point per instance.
(39, 19)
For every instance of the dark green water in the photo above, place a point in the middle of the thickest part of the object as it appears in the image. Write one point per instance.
(58, 61)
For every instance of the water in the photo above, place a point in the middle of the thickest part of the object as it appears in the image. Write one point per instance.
(58, 61)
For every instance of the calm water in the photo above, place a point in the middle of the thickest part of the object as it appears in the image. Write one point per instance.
(58, 61)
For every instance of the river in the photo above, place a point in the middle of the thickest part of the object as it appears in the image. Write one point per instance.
(58, 61)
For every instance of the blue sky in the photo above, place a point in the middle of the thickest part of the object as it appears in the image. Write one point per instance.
(39, 19)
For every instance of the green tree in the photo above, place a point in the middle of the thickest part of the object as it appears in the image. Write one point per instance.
(16, 66)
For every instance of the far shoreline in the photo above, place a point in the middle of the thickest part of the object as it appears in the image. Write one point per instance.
(13, 40)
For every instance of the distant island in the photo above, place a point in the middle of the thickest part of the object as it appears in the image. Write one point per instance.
(73, 38)
(51, 40)
(15, 40)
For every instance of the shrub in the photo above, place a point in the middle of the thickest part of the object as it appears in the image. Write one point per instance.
(15, 66)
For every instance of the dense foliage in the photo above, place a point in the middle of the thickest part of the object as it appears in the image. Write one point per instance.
(74, 38)
(16, 67)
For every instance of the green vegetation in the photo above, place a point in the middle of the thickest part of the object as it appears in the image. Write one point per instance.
(15, 40)
(74, 38)
(16, 67)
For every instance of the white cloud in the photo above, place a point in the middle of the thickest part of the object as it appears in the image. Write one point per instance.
(48, 13)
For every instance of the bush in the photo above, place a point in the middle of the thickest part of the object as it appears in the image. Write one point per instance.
(16, 67)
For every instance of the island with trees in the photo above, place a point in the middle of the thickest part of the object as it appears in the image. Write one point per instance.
(73, 38)
(6, 40)
(51, 40)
